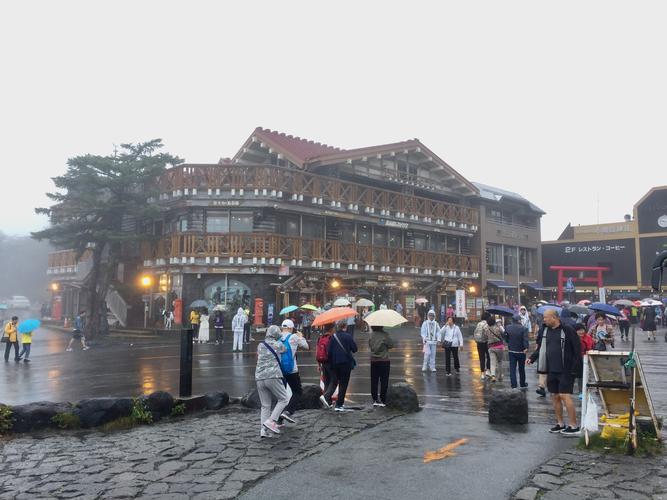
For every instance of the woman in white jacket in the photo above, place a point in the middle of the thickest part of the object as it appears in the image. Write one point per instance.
(452, 341)
(238, 323)
(430, 333)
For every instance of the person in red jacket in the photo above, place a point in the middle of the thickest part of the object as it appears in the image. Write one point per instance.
(587, 344)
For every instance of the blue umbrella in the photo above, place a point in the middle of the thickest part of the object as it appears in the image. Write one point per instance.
(542, 309)
(28, 325)
(605, 308)
(502, 310)
(288, 309)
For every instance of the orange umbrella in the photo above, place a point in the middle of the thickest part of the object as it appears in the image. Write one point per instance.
(333, 315)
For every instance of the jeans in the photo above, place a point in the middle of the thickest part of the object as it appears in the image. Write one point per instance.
(195, 334)
(25, 350)
(329, 380)
(429, 356)
(452, 352)
(379, 374)
(484, 359)
(8, 348)
(624, 326)
(496, 362)
(218, 334)
(268, 390)
(246, 333)
(517, 359)
(340, 376)
(294, 382)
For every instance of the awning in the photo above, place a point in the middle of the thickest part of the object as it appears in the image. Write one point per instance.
(500, 284)
(538, 287)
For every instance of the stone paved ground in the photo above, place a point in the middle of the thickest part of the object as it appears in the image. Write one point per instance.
(582, 474)
(215, 456)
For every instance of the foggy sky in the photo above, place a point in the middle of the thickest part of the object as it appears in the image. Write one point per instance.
(563, 102)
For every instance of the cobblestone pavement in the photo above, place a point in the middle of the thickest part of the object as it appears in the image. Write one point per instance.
(582, 474)
(215, 456)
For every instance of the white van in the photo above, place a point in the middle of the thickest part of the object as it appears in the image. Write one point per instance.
(18, 302)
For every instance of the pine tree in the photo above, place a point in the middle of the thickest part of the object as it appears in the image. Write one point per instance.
(94, 197)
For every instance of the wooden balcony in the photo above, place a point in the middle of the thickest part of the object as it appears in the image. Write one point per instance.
(299, 183)
(64, 262)
(268, 245)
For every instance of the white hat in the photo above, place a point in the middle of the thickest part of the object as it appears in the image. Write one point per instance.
(288, 323)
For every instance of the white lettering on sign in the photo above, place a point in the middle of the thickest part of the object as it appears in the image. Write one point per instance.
(602, 247)
(225, 203)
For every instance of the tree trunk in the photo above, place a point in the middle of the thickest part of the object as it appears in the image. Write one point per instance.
(92, 310)
(101, 276)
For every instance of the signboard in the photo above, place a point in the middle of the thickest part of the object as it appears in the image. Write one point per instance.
(603, 295)
(283, 270)
(461, 304)
(652, 213)
(569, 285)
(649, 248)
(618, 255)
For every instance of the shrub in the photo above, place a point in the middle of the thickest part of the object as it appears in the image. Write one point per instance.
(178, 410)
(140, 412)
(5, 419)
(66, 420)
(122, 423)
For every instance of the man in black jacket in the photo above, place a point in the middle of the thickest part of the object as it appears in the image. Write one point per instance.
(558, 355)
(516, 336)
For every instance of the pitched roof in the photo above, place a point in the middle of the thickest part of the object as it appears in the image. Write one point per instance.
(497, 194)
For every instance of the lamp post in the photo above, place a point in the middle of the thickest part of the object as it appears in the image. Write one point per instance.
(147, 284)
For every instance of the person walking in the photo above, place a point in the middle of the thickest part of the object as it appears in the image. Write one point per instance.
(269, 380)
(398, 307)
(78, 332)
(292, 342)
(430, 333)
(341, 348)
(306, 322)
(194, 323)
(26, 344)
(204, 330)
(496, 349)
(325, 367)
(481, 338)
(624, 323)
(11, 339)
(246, 327)
(587, 344)
(516, 336)
(350, 323)
(601, 332)
(558, 356)
(379, 343)
(452, 341)
(238, 323)
(218, 323)
(648, 322)
(525, 318)
(169, 319)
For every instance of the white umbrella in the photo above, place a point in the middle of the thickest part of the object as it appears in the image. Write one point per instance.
(623, 302)
(421, 300)
(341, 302)
(385, 317)
(363, 303)
(650, 303)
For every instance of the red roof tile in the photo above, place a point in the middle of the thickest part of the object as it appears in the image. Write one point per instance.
(301, 149)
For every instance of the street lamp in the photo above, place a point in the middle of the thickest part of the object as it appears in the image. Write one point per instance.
(472, 289)
(55, 287)
(405, 285)
(147, 283)
(335, 284)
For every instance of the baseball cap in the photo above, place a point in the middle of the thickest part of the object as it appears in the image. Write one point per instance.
(288, 323)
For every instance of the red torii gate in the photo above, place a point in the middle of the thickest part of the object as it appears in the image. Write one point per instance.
(562, 279)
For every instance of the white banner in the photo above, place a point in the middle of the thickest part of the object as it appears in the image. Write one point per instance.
(603, 295)
(461, 304)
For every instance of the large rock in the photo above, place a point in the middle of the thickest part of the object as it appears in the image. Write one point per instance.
(216, 400)
(508, 407)
(192, 404)
(251, 400)
(99, 411)
(402, 396)
(310, 399)
(36, 416)
(160, 404)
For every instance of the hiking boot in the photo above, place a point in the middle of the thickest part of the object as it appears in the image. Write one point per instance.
(571, 431)
(325, 404)
(541, 391)
(286, 416)
(272, 426)
(556, 429)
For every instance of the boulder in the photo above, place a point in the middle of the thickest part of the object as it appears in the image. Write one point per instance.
(508, 407)
(36, 416)
(160, 404)
(98, 411)
(216, 400)
(251, 400)
(402, 396)
(310, 399)
(193, 404)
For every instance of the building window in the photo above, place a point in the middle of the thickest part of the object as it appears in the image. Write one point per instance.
(241, 222)
(395, 238)
(439, 243)
(363, 234)
(421, 241)
(217, 222)
(380, 236)
(494, 259)
(453, 244)
(346, 231)
(526, 261)
(182, 224)
(313, 227)
(288, 225)
(509, 260)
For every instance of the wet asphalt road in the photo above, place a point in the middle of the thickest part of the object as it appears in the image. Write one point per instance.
(135, 365)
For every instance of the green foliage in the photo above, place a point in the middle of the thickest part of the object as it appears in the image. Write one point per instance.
(178, 409)
(140, 413)
(5, 419)
(66, 420)
(647, 444)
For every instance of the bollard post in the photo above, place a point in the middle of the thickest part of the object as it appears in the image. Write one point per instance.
(185, 386)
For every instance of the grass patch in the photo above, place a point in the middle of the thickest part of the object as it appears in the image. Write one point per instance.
(178, 410)
(6, 421)
(647, 444)
(66, 420)
(120, 424)
(140, 413)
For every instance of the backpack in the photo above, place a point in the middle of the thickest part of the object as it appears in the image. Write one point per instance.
(480, 332)
(322, 352)
(286, 358)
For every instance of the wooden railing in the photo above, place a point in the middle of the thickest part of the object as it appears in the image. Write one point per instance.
(290, 182)
(62, 258)
(269, 245)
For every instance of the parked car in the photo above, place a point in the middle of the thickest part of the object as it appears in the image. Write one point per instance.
(18, 302)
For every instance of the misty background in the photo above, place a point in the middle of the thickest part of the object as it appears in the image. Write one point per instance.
(561, 102)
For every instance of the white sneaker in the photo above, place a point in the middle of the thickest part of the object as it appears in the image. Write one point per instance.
(69, 349)
(324, 403)
(343, 409)
(433, 369)
(272, 426)
(482, 377)
(85, 348)
(285, 416)
(424, 369)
